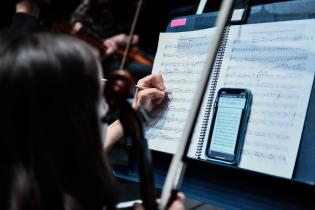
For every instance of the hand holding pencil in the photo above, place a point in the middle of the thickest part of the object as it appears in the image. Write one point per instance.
(150, 92)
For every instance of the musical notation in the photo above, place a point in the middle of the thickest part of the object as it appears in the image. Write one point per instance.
(184, 56)
(275, 36)
(268, 145)
(272, 113)
(180, 80)
(177, 71)
(168, 128)
(267, 135)
(271, 60)
(163, 136)
(262, 85)
(188, 44)
(240, 49)
(259, 157)
(264, 75)
(180, 58)
(275, 105)
(182, 64)
(176, 109)
(268, 59)
(281, 37)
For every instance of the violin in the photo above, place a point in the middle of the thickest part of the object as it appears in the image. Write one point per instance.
(133, 55)
(118, 87)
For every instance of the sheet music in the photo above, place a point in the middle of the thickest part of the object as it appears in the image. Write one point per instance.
(180, 58)
(276, 61)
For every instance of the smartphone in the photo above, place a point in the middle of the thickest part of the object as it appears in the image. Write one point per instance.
(228, 126)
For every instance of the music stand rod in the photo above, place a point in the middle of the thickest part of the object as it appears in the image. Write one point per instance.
(177, 166)
(201, 7)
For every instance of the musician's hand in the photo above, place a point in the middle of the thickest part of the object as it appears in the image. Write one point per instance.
(178, 204)
(150, 97)
(152, 94)
(77, 26)
(120, 40)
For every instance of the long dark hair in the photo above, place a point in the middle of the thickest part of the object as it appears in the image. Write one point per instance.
(50, 143)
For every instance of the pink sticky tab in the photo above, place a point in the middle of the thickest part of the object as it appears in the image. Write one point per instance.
(178, 22)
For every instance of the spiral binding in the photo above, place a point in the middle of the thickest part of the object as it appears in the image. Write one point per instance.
(213, 86)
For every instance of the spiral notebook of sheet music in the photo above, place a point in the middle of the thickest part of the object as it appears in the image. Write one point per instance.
(276, 61)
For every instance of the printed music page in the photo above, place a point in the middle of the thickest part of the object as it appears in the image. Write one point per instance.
(276, 62)
(180, 58)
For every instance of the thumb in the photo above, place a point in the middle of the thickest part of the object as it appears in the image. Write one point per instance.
(137, 206)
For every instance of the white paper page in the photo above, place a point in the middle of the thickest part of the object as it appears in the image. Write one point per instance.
(276, 61)
(196, 144)
(180, 58)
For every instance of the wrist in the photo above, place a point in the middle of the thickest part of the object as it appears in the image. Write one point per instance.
(114, 132)
(134, 105)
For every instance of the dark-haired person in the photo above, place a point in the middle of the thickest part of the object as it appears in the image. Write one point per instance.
(107, 20)
(26, 17)
(94, 16)
(110, 21)
(38, 15)
(51, 151)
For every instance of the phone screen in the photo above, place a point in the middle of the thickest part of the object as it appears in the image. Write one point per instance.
(227, 122)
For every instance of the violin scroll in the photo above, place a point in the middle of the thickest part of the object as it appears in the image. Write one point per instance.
(119, 86)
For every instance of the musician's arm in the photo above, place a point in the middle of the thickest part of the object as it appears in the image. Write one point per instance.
(148, 99)
(119, 40)
(26, 18)
(113, 134)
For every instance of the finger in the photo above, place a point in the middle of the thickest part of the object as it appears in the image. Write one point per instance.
(152, 80)
(123, 39)
(149, 98)
(111, 46)
(109, 50)
(181, 196)
(160, 98)
(152, 94)
(137, 206)
(177, 205)
(135, 39)
(120, 39)
(157, 101)
(76, 28)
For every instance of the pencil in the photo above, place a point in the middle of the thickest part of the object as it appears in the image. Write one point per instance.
(140, 87)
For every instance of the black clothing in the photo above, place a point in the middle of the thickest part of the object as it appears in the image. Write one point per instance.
(25, 23)
(106, 21)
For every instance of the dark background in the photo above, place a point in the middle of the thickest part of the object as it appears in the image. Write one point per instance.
(154, 16)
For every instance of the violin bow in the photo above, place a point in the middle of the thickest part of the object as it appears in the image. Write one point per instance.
(177, 167)
(133, 26)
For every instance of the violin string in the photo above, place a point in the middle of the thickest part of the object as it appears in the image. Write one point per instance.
(133, 26)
